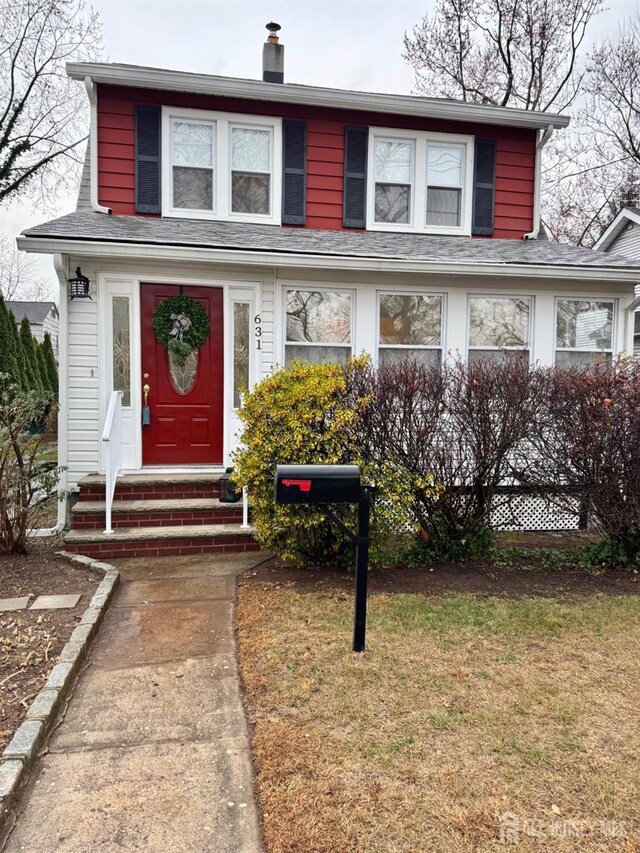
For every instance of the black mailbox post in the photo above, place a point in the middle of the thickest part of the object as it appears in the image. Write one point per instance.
(334, 484)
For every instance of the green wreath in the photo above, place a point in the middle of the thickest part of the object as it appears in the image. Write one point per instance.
(180, 324)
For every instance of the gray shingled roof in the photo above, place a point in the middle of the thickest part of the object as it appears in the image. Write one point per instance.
(89, 226)
(34, 311)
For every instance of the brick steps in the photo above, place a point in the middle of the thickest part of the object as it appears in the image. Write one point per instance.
(161, 541)
(90, 515)
(157, 515)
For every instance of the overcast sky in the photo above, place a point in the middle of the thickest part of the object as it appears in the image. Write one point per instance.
(351, 44)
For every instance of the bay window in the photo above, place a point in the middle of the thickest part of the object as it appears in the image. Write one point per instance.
(498, 326)
(584, 331)
(318, 325)
(409, 325)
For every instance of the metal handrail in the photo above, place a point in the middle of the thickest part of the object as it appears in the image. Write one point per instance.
(112, 437)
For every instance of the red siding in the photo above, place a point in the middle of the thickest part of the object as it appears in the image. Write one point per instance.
(325, 152)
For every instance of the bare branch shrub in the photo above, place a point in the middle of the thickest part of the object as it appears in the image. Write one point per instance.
(459, 429)
(589, 447)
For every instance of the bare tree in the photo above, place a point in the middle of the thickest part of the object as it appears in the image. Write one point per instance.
(43, 114)
(19, 274)
(516, 53)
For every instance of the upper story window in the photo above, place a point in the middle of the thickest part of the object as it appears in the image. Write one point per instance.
(420, 182)
(584, 331)
(221, 166)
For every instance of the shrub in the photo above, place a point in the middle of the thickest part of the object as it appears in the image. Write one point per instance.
(308, 414)
(590, 447)
(461, 427)
(24, 482)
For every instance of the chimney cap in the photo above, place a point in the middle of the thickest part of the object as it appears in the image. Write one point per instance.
(273, 27)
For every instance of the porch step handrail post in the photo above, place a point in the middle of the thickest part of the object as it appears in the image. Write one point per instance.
(112, 438)
(245, 509)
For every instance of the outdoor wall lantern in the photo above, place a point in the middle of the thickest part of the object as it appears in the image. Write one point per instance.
(79, 286)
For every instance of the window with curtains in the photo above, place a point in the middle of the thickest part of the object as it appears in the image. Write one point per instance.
(498, 326)
(420, 182)
(318, 325)
(584, 331)
(409, 325)
(221, 166)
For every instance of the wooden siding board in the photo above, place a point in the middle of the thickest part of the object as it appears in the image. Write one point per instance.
(325, 156)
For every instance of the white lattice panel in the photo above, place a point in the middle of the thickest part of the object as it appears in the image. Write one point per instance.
(523, 512)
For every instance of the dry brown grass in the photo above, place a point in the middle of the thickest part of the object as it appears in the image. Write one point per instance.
(463, 708)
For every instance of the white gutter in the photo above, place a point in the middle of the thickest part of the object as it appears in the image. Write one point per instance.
(93, 147)
(268, 259)
(294, 93)
(542, 141)
(63, 390)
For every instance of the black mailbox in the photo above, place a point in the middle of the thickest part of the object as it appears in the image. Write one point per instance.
(317, 484)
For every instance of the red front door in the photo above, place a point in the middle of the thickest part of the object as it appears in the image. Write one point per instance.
(185, 404)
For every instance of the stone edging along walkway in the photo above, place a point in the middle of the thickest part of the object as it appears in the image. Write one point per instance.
(19, 756)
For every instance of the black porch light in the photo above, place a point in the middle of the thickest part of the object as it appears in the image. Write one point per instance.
(79, 286)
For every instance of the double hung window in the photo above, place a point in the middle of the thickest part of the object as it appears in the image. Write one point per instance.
(217, 167)
(318, 325)
(409, 325)
(420, 182)
(584, 331)
(498, 326)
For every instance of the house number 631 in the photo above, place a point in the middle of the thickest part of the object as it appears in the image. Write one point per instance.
(257, 330)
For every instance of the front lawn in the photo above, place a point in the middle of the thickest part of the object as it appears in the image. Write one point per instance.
(480, 694)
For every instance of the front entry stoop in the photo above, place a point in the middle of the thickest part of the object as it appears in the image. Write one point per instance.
(157, 515)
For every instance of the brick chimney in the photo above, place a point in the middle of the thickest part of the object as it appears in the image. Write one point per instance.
(273, 56)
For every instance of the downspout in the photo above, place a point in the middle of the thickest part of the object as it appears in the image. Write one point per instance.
(93, 147)
(542, 141)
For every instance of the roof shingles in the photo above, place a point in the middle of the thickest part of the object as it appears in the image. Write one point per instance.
(88, 226)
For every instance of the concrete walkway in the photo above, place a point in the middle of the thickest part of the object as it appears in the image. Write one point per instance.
(153, 753)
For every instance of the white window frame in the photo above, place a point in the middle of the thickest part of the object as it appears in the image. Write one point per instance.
(186, 211)
(530, 327)
(223, 124)
(247, 126)
(418, 206)
(614, 324)
(443, 315)
(316, 289)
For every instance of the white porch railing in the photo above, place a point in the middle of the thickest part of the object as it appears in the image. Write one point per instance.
(245, 509)
(112, 438)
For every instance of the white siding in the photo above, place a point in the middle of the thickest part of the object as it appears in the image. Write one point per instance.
(50, 325)
(83, 425)
(268, 310)
(627, 242)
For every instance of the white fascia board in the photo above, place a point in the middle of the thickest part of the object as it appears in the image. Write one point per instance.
(147, 251)
(288, 93)
(615, 228)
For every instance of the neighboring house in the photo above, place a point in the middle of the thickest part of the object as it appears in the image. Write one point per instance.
(622, 237)
(307, 222)
(43, 317)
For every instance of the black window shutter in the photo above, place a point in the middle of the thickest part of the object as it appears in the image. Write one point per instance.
(147, 155)
(356, 142)
(294, 172)
(484, 181)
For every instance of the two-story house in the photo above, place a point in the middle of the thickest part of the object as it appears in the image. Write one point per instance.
(307, 222)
